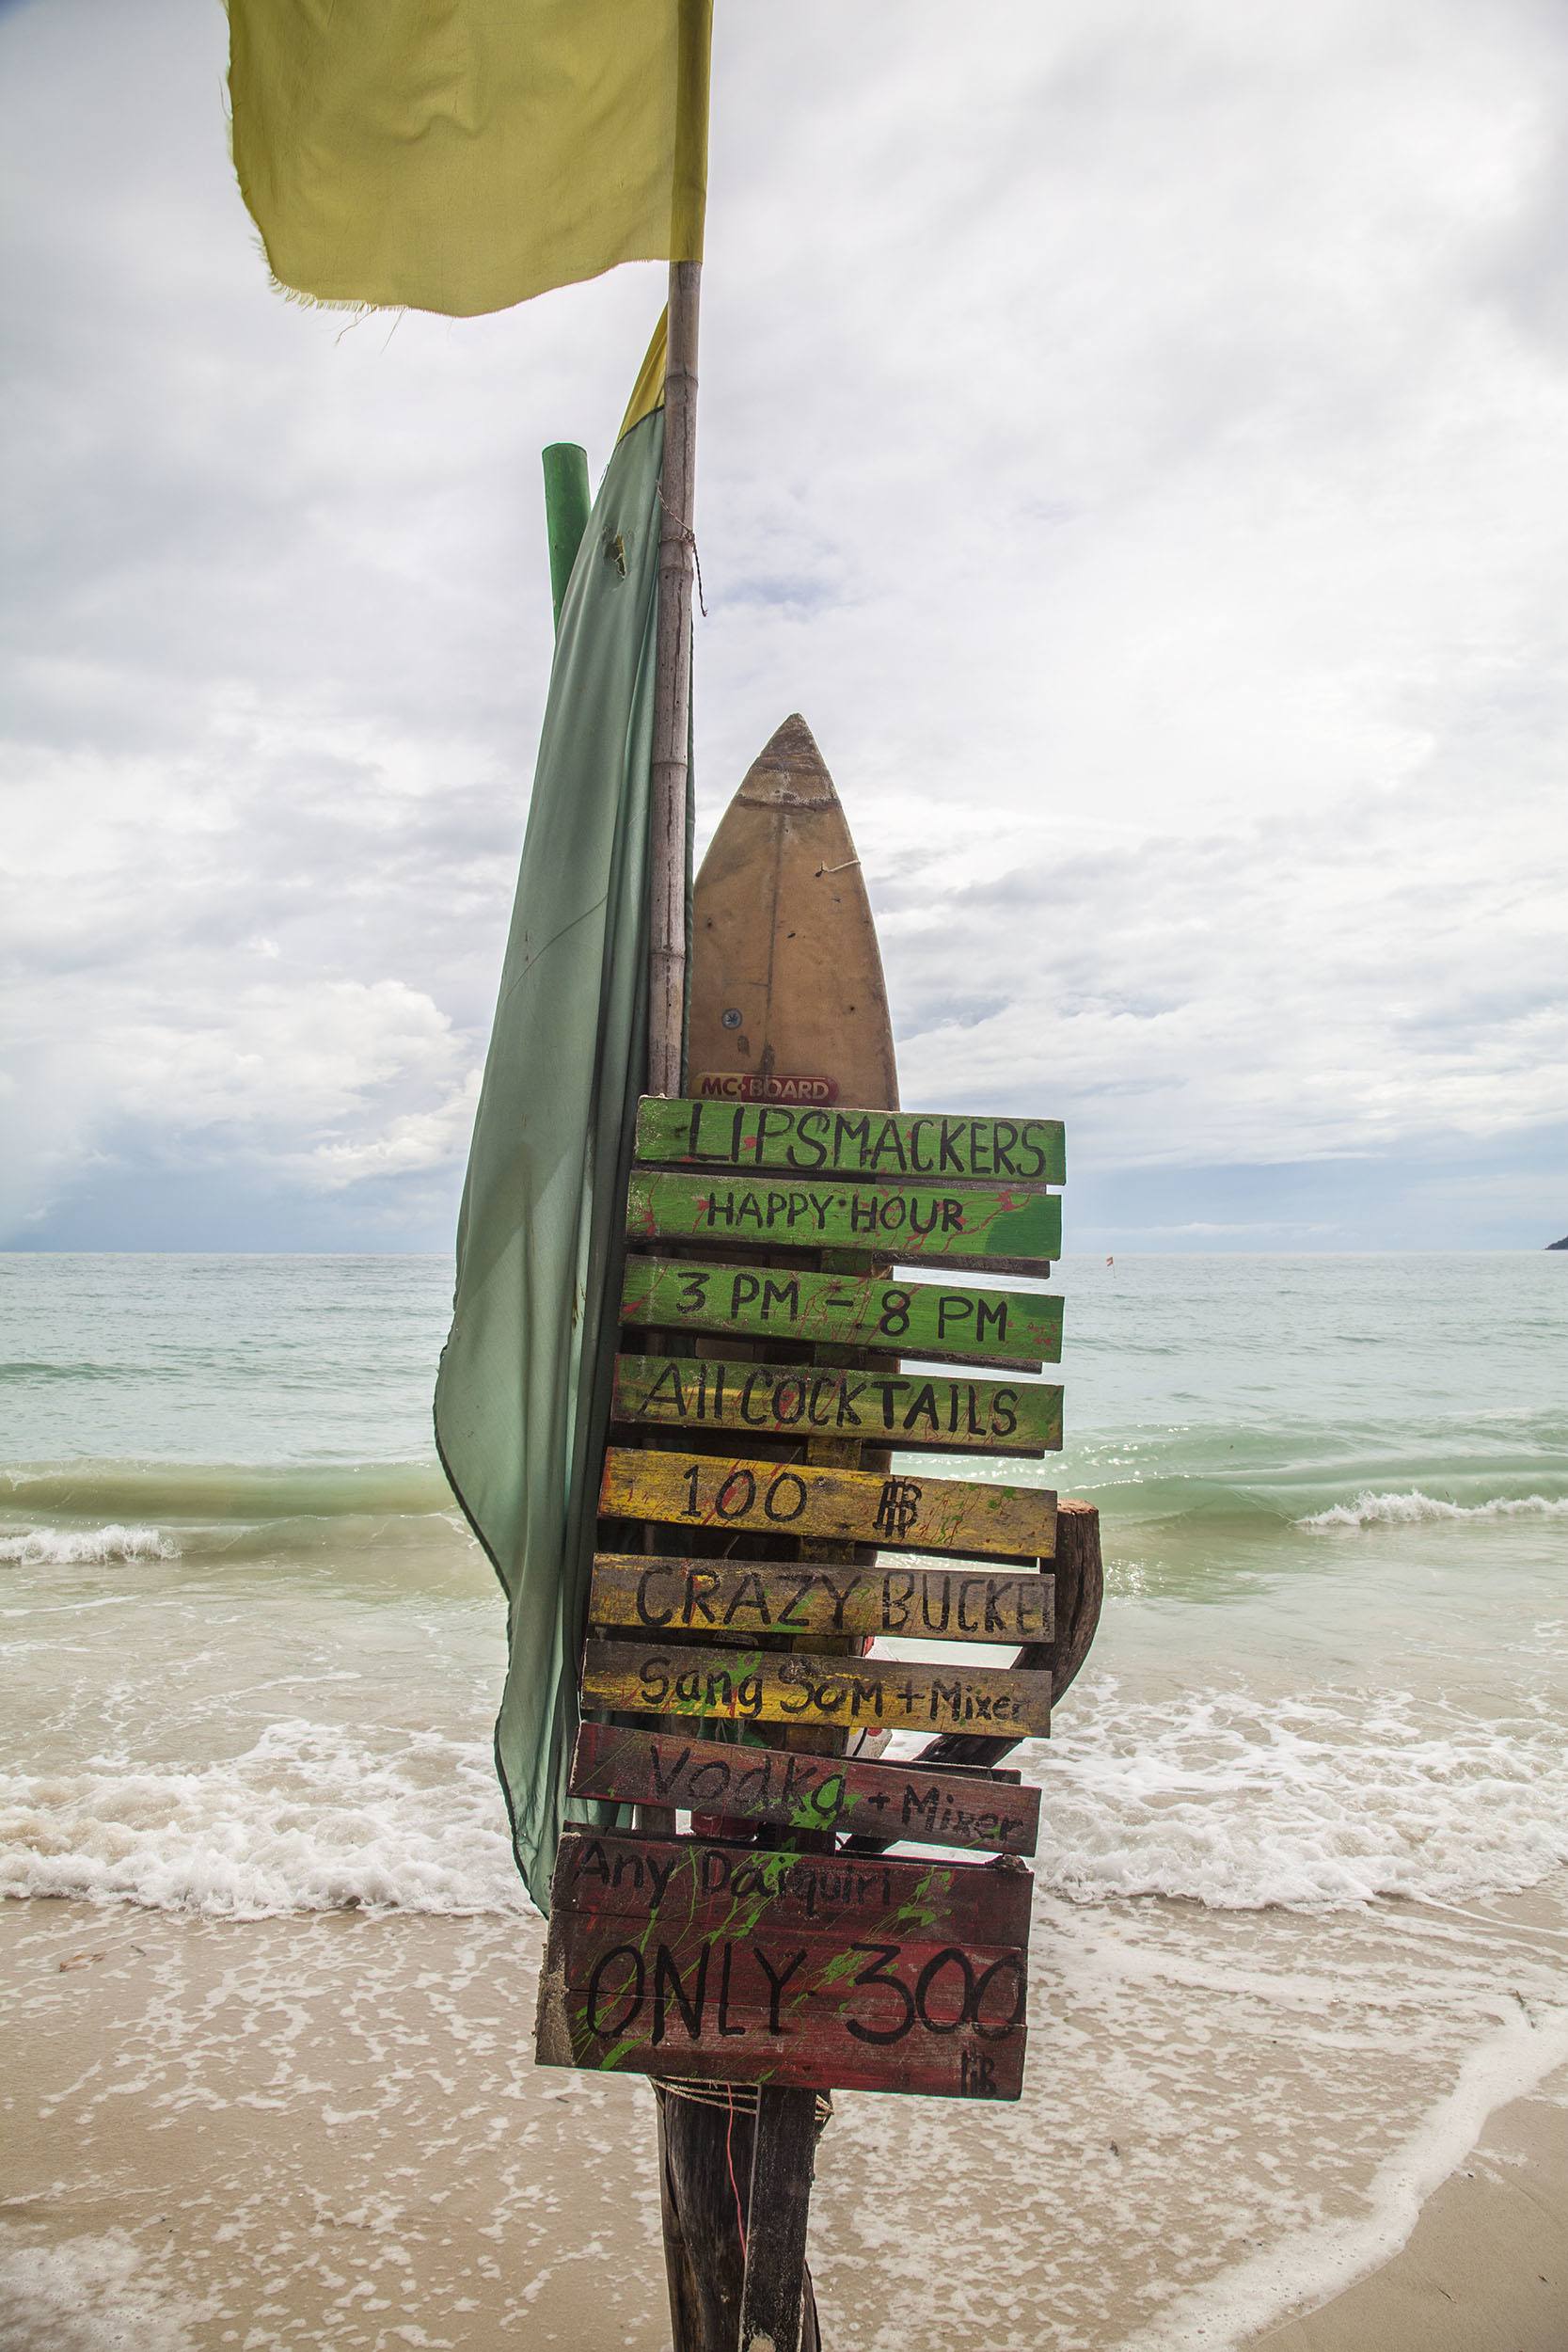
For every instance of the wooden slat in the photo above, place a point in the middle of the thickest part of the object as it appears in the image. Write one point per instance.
(668, 1597)
(686, 1957)
(811, 1140)
(645, 1677)
(912, 1514)
(787, 1791)
(935, 1321)
(1012, 1228)
(790, 1888)
(926, 1412)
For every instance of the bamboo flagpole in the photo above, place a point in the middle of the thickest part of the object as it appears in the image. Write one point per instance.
(778, 2188)
(785, 2128)
(673, 690)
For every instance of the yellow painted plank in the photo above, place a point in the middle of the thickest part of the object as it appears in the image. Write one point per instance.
(908, 1514)
(797, 1686)
(666, 1596)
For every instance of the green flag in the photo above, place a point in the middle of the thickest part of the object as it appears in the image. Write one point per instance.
(522, 1394)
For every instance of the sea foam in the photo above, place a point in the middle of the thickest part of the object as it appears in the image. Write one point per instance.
(1243, 1802)
(67, 1548)
(310, 1819)
(1226, 1799)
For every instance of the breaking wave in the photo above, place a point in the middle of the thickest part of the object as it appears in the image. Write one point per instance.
(1415, 1509)
(311, 1819)
(1240, 1801)
(1225, 1799)
(65, 1547)
(248, 1491)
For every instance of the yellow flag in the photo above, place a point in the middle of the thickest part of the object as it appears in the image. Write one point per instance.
(460, 155)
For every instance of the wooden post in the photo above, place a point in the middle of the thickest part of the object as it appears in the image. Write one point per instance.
(566, 510)
(779, 2209)
(699, 2224)
(673, 690)
(667, 909)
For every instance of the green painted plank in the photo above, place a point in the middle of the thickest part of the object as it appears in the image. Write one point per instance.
(972, 1225)
(809, 1141)
(885, 1407)
(936, 1322)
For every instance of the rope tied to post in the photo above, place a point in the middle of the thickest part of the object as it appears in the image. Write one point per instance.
(741, 2098)
(689, 539)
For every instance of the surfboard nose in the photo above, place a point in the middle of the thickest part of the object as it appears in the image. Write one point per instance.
(789, 771)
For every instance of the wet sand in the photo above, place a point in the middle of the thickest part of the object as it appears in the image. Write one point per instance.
(330, 2131)
(1485, 2268)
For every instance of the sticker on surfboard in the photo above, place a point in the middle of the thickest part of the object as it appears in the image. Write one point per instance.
(753, 1086)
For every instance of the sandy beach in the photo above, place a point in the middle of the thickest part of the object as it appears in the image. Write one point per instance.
(331, 2132)
(1485, 2268)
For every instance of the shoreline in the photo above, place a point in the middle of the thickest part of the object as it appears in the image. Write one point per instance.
(1485, 2266)
(328, 2130)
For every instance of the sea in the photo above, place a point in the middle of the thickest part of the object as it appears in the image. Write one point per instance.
(1300, 1911)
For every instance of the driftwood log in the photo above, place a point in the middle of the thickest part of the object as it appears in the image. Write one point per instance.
(705, 2152)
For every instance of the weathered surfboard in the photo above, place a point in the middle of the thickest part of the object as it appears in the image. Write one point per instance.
(789, 1003)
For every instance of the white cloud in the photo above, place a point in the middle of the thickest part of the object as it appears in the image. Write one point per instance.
(1134, 438)
(414, 1142)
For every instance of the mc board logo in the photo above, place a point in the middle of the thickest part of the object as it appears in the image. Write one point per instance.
(747, 1086)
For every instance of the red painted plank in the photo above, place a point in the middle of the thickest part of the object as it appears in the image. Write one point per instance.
(683, 1956)
(967, 1810)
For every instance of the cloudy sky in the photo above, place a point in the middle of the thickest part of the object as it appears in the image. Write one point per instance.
(1134, 432)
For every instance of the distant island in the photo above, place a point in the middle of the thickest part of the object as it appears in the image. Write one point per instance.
(1558, 1245)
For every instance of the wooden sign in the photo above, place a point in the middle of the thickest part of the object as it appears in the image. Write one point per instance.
(750, 1596)
(948, 1806)
(644, 1677)
(915, 1514)
(934, 1321)
(814, 1141)
(688, 1957)
(1014, 1227)
(808, 1400)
